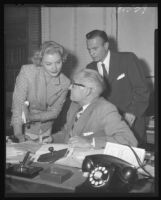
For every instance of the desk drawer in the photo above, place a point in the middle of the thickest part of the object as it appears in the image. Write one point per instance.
(150, 136)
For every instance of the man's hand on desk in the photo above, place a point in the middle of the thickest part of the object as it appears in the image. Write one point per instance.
(130, 118)
(79, 142)
(47, 140)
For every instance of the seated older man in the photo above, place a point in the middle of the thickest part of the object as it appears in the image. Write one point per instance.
(92, 120)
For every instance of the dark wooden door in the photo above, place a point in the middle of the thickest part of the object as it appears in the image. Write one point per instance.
(22, 35)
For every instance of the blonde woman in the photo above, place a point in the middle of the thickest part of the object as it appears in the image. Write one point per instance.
(44, 87)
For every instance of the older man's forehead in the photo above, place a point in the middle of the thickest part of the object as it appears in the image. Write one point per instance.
(81, 79)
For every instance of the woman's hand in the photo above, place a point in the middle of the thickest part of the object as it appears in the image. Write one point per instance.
(33, 117)
(20, 137)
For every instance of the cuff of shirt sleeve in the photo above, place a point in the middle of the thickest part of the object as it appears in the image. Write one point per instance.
(93, 144)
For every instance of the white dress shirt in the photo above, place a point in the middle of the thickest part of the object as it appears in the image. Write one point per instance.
(106, 63)
(82, 110)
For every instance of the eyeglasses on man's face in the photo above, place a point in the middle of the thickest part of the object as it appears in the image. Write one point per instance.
(77, 84)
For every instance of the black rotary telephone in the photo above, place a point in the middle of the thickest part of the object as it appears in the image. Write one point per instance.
(107, 174)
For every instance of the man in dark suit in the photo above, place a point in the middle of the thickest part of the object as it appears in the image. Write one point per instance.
(125, 81)
(98, 121)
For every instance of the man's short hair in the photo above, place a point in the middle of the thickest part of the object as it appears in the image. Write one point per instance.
(98, 33)
(93, 79)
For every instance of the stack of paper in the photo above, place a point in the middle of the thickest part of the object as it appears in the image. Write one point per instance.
(124, 152)
(14, 155)
(15, 152)
(12, 151)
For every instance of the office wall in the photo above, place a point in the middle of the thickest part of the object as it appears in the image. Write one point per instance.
(136, 33)
(129, 29)
(69, 25)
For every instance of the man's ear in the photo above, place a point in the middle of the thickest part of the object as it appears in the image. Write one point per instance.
(106, 45)
(88, 91)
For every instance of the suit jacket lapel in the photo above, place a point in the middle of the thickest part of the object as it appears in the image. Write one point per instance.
(93, 65)
(74, 107)
(114, 67)
(40, 89)
(80, 125)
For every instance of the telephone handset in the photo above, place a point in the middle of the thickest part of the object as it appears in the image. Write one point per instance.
(107, 173)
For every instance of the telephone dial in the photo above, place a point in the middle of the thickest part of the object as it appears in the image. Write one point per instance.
(108, 174)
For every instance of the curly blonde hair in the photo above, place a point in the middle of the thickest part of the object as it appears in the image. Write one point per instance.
(48, 47)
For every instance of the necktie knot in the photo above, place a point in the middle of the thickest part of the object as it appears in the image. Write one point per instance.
(78, 113)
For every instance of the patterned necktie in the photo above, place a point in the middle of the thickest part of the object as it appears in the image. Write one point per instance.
(105, 75)
(78, 114)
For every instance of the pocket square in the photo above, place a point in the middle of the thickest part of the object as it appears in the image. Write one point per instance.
(121, 76)
(88, 133)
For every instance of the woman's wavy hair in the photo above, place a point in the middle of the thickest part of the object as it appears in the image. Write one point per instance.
(48, 47)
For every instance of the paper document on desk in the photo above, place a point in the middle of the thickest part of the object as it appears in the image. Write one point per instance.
(125, 153)
(14, 155)
(15, 151)
(27, 146)
(76, 156)
(149, 168)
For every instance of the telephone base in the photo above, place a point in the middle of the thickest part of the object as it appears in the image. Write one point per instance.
(112, 186)
(86, 188)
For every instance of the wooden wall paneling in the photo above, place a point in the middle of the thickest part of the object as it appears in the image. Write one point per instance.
(9, 78)
(22, 33)
(34, 30)
(45, 24)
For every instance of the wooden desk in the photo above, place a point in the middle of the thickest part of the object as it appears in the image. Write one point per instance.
(19, 185)
(40, 185)
(37, 185)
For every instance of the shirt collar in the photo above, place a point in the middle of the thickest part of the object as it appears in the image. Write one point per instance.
(84, 107)
(107, 59)
(106, 62)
